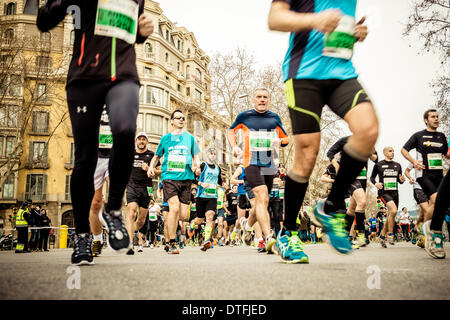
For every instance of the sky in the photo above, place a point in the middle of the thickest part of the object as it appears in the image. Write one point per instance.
(393, 69)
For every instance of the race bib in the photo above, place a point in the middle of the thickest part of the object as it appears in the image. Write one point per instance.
(176, 163)
(193, 207)
(347, 202)
(434, 161)
(261, 140)
(152, 216)
(210, 190)
(117, 19)
(282, 193)
(105, 139)
(339, 43)
(390, 184)
(374, 224)
(362, 174)
(149, 191)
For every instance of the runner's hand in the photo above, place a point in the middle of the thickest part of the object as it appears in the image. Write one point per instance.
(412, 181)
(402, 179)
(361, 30)
(144, 166)
(326, 21)
(236, 151)
(379, 185)
(418, 165)
(145, 25)
(198, 172)
(151, 172)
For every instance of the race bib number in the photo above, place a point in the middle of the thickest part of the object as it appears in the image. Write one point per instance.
(390, 183)
(374, 224)
(210, 190)
(339, 43)
(261, 140)
(434, 161)
(105, 139)
(117, 19)
(176, 163)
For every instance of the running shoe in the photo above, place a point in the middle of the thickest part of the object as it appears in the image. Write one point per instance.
(360, 242)
(130, 252)
(166, 247)
(233, 243)
(391, 240)
(261, 246)
(383, 243)
(233, 235)
(434, 242)
(82, 250)
(207, 245)
(248, 236)
(173, 249)
(334, 227)
(181, 245)
(96, 248)
(271, 244)
(118, 238)
(152, 246)
(227, 242)
(421, 242)
(291, 248)
(140, 249)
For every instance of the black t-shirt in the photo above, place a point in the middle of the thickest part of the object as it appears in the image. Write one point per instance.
(232, 199)
(389, 175)
(138, 177)
(430, 147)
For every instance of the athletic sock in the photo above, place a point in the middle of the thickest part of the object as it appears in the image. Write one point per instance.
(98, 237)
(360, 215)
(294, 193)
(208, 231)
(351, 165)
(349, 219)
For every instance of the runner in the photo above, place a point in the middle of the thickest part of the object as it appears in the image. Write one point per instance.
(165, 214)
(263, 133)
(180, 152)
(243, 202)
(430, 146)
(373, 222)
(139, 188)
(153, 213)
(390, 174)
(232, 213)
(220, 211)
(275, 205)
(113, 81)
(192, 216)
(206, 199)
(318, 70)
(101, 176)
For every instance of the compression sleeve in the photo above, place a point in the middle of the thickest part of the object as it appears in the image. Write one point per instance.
(337, 147)
(51, 13)
(374, 174)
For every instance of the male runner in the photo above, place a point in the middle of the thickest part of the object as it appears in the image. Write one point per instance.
(318, 70)
(165, 214)
(232, 213)
(221, 212)
(102, 71)
(389, 175)
(139, 188)
(263, 133)
(275, 205)
(100, 176)
(206, 200)
(243, 202)
(180, 152)
(373, 222)
(430, 146)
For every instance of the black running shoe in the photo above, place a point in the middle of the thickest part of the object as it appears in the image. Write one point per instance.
(82, 250)
(130, 252)
(118, 238)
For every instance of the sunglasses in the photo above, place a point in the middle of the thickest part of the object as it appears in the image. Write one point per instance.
(180, 118)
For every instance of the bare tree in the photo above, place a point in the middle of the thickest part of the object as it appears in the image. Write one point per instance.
(430, 19)
(29, 80)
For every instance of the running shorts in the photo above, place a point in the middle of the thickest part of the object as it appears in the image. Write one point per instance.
(420, 196)
(354, 186)
(243, 202)
(231, 219)
(430, 182)
(307, 97)
(256, 176)
(179, 188)
(221, 212)
(387, 196)
(165, 209)
(138, 195)
(101, 172)
(205, 204)
(248, 191)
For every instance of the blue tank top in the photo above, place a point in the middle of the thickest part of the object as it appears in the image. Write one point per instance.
(210, 177)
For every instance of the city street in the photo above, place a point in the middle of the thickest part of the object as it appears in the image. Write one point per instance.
(400, 272)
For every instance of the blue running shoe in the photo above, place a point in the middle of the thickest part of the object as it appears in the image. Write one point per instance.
(334, 227)
(290, 248)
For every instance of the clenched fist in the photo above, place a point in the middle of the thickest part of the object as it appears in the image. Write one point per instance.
(145, 24)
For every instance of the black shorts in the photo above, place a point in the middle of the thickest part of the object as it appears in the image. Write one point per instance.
(307, 97)
(248, 191)
(373, 230)
(354, 186)
(430, 182)
(231, 219)
(420, 196)
(259, 176)
(221, 212)
(363, 183)
(179, 188)
(165, 209)
(138, 195)
(144, 228)
(192, 215)
(243, 202)
(205, 204)
(387, 196)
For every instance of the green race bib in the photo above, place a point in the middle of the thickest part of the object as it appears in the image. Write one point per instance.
(105, 139)
(339, 43)
(434, 161)
(176, 163)
(390, 184)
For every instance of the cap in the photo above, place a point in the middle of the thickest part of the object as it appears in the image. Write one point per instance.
(141, 134)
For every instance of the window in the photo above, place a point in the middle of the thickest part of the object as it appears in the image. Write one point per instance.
(188, 72)
(41, 92)
(148, 50)
(140, 122)
(72, 37)
(166, 58)
(36, 187)
(178, 87)
(198, 128)
(38, 151)
(10, 145)
(168, 80)
(178, 66)
(198, 74)
(155, 96)
(43, 64)
(72, 154)
(148, 122)
(2, 139)
(10, 8)
(179, 45)
(68, 197)
(9, 36)
(148, 71)
(8, 187)
(167, 35)
(157, 125)
(13, 116)
(188, 92)
(40, 122)
(46, 37)
(197, 95)
(188, 52)
(15, 87)
(2, 115)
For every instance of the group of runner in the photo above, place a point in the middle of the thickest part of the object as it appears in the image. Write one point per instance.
(317, 71)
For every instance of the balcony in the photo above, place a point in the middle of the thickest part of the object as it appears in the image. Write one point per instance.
(37, 164)
(36, 197)
(169, 67)
(149, 57)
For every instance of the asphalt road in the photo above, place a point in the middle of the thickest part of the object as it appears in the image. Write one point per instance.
(400, 272)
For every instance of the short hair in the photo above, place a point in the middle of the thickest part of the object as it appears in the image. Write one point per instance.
(260, 89)
(404, 208)
(426, 114)
(173, 113)
(385, 148)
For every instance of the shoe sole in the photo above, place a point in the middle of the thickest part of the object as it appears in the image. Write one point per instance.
(121, 250)
(83, 263)
(270, 245)
(304, 260)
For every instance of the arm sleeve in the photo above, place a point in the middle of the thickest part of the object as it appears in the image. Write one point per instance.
(411, 143)
(374, 174)
(202, 166)
(139, 38)
(337, 147)
(51, 13)
(398, 178)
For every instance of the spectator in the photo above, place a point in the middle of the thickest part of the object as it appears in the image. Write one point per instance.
(44, 233)
(404, 223)
(35, 223)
